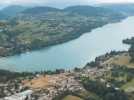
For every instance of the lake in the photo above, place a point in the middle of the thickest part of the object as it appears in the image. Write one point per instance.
(75, 53)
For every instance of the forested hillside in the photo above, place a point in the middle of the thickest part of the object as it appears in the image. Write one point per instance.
(38, 27)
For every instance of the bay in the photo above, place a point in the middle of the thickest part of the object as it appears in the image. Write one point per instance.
(75, 53)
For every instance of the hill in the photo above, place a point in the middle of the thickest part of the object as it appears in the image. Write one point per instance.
(39, 10)
(91, 11)
(38, 27)
(124, 8)
(3, 16)
(11, 11)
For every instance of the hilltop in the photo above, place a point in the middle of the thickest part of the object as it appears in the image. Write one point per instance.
(11, 11)
(124, 8)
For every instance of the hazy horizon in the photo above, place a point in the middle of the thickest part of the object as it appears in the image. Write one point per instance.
(58, 3)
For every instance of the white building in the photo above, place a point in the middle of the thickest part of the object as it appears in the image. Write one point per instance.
(19, 96)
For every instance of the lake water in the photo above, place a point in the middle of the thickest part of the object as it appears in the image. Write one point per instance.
(75, 53)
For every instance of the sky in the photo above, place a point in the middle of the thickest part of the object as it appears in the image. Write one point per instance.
(58, 3)
(115, 1)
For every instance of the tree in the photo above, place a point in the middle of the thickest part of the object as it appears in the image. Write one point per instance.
(131, 52)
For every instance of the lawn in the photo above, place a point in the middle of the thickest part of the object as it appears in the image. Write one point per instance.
(122, 59)
(70, 97)
(129, 87)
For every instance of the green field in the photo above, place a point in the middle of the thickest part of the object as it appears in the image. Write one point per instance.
(70, 97)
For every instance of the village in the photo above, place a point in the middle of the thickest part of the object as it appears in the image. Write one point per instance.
(47, 87)
(43, 87)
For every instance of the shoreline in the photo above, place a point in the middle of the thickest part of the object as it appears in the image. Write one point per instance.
(67, 82)
(98, 59)
(8, 68)
(59, 41)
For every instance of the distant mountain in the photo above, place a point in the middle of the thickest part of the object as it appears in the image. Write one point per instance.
(2, 6)
(83, 10)
(39, 10)
(12, 11)
(75, 10)
(3, 16)
(90, 11)
(126, 9)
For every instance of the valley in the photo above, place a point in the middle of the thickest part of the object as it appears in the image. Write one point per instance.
(75, 53)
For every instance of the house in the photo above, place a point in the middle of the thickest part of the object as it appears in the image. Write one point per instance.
(20, 96)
